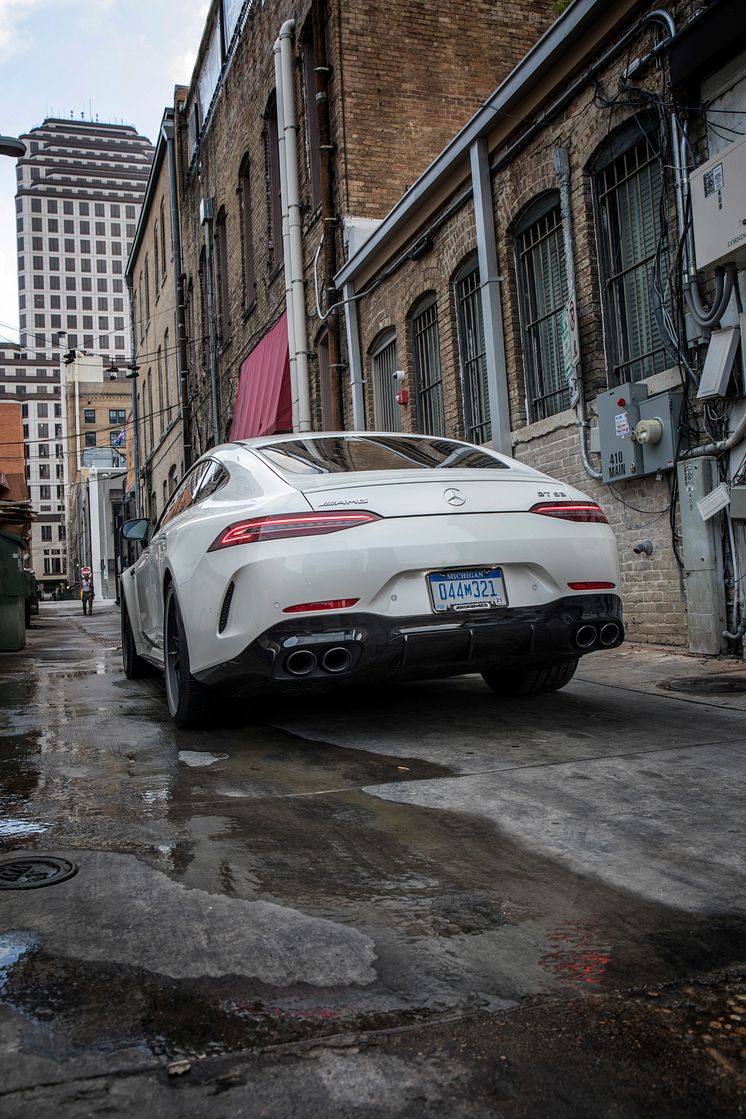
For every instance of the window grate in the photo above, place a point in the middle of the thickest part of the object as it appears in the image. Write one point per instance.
(629, 191)
(472, 350)
(543, 294)
(384, 386)
(429, 379)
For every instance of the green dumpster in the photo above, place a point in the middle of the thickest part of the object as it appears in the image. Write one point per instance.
(12, 594)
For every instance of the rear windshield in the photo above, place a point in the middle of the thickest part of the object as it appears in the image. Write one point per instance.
(374, 452)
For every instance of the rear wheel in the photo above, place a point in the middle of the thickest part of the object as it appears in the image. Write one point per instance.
(134, 666)
(531, 681)
(187, 698)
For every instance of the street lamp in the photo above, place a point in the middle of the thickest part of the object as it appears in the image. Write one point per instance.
(16, 149)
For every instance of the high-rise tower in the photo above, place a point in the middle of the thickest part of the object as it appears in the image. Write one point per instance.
(80, 191)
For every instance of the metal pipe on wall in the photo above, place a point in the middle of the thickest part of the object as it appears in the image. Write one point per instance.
(286, 263)
(329, 219)
(206, 208)
(167, 130)
(290, 129)
(562, 170)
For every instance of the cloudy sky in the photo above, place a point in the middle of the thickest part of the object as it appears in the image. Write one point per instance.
(119, 59)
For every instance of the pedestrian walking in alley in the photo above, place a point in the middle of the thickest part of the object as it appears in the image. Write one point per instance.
(86, 593)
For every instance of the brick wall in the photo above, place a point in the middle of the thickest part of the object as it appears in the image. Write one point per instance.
(405, 75)
(654, 604)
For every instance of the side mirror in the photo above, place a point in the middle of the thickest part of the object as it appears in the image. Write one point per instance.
(138, 530)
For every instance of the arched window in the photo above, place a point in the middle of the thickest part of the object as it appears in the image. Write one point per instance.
(542, 294)
(471, 344)
(221, 277)
(383, 367)
(427, 370)
(247, 235)
(628, 181)
(313, 162)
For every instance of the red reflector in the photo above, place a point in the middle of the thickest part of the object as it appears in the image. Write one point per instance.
(283, 526)
(330, 604)
(591, 586)
(571, 511)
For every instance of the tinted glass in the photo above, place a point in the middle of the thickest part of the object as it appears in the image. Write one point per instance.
(374, 452)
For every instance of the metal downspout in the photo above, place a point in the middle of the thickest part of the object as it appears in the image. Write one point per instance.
(562, 169)
(290, 129)
(286, 268)
(328, 216)
(167, 130)
(135, 418)
(206, 216)
(497, 382)
(355, 358)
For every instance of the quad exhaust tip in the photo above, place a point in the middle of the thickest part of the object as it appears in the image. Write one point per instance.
(337, 659)
(301, 662)
(609, 634)
(586, 637)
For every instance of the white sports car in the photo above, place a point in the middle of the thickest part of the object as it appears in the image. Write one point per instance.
(298, 560)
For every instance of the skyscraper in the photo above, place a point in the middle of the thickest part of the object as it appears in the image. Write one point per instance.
(80, 191)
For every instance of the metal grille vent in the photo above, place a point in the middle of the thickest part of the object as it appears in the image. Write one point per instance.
(225, 608)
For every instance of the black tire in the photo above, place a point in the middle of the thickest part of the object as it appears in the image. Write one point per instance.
(134, 666)
(531, 681)
(187, 699)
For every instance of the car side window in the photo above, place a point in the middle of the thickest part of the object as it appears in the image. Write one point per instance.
(211, 480)
(185, 494)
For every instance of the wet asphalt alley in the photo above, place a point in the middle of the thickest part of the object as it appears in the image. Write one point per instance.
(315, 884)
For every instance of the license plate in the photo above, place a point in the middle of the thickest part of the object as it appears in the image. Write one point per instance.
(480, 589)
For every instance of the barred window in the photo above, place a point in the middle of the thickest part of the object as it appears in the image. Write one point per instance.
(427, 369)
(470, 322)
(628, 183)
(383, 362)
(543, 292)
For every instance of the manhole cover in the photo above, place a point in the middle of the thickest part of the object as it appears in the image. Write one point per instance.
(729, 684)
(32, 871)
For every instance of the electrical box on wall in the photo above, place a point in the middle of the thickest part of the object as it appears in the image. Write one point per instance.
(618, 416)
(658, 430)
(718, 197)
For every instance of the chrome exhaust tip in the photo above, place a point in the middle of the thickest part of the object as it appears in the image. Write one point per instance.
(300, 662)
(337, 659)
(609, 634)
(586, 637)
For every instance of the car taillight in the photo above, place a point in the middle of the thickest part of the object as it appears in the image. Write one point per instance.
(282, 526)
(586, 586)
(571, 511)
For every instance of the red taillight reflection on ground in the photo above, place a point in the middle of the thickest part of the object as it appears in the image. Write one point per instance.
(328, 604)
(284, 526)
(571, 511)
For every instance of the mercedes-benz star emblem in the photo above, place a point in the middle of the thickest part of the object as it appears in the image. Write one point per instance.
(454, 497)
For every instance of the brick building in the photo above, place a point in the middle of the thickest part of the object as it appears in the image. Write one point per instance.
(369, 93)
(15, 516)
(154, 280)
(564, 181)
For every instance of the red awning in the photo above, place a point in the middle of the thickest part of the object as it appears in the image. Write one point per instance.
(263, 405)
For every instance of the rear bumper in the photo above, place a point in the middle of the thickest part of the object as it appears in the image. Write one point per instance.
(361, 646)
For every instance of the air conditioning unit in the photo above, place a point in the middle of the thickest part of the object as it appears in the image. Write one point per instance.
(718, 195)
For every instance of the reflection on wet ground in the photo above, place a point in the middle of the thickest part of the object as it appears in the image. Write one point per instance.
(276, 810)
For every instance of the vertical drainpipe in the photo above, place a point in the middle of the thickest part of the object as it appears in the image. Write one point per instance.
(167, 130)
(286, 264)
(497, 382)
(294, 221)
(355, 358)
(562, 170)
(135, 419)
(206, 215)
(328, 216)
